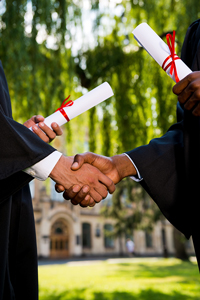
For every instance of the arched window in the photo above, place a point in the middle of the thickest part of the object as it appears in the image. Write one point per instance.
(86, 235)
(108, 236)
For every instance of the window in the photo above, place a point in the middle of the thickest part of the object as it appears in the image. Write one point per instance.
(98, 231)
(149, 241)
(86, 235)
(78, 239)
(188, 244)
(108, 237)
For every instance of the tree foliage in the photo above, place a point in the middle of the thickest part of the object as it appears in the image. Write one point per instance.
(43, 66)
(37, 39)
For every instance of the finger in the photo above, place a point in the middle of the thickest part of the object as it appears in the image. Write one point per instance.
(48, 131)
(193, 100)
(190, 103)
(95, 195)
(82, 194)
(59, 188)
(196, 111)
(182, 84)
(74, 202)
(185, 95)
(85, 202)
(190, 94)
(80, 159)
(71, 192)
(56, 129)
(40, 133)
(92, 202)
(107, 182)
(101, 190)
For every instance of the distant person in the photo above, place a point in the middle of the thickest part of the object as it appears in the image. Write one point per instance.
(130, 246)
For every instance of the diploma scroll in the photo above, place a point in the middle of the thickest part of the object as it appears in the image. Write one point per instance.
(79, 106)
(161, 52)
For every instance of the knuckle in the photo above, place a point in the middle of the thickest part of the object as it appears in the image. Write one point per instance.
(91, 181)
(88, 153)
(194, 85)
(196, 111)
(192, 76)
(197, 94)
(77, 156)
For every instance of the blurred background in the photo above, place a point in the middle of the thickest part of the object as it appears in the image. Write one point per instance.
(54, 48)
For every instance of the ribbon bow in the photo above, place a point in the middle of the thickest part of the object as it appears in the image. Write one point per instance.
(69, 103)
(173, 56)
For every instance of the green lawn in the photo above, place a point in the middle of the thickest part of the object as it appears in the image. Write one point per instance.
(125, 279)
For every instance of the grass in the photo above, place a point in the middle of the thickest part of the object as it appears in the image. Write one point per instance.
(125, 279)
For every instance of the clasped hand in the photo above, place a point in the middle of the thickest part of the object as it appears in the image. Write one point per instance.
(90, 183)
(42, 130)
(188, 92)
(114, 168)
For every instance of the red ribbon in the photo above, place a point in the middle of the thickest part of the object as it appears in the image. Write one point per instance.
(173, 56)
(62, 111)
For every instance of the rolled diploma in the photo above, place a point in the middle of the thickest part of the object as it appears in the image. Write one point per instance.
(82, 104)
(158, 49)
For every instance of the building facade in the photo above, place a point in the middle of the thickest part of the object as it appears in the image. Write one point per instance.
(64, 230)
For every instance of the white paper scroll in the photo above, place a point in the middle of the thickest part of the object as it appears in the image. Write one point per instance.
(159, 50)
(82, 104)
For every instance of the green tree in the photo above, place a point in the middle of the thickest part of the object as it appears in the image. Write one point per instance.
(37, 50)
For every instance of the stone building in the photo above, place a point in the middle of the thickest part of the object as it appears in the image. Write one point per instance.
(64, 230)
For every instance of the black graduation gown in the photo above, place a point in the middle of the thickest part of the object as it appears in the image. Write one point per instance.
(169, 174)
(19, 149)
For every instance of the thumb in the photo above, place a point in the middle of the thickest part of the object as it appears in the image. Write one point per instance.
(80, 159)
(59, 188)
(78, 162)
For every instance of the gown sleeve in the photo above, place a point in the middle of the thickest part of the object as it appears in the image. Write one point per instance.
(161, 166)
(19, 147)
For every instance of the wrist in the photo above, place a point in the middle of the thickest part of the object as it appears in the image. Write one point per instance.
(124, 166)
(63, 163)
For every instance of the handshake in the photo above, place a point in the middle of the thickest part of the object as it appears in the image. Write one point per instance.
(87, 178)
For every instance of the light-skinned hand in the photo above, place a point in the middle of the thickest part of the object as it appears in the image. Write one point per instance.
(42, 130)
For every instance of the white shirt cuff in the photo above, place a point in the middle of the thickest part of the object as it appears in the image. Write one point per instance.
(43, 168)
(138, 177)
